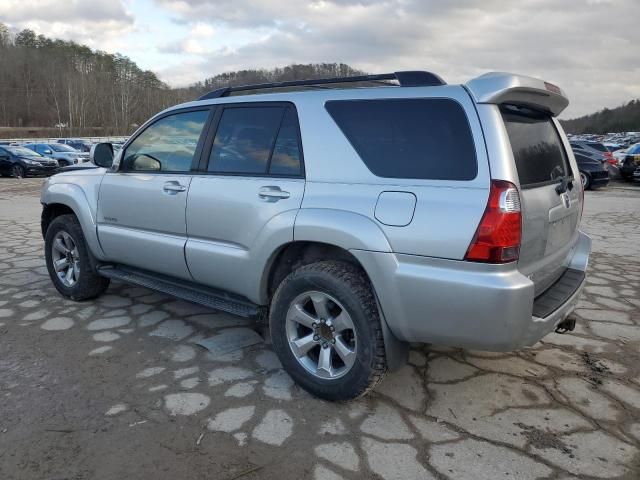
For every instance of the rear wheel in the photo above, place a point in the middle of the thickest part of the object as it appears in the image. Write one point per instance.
(17, 171)
(326, 330)
(586, 180)
(69, 261)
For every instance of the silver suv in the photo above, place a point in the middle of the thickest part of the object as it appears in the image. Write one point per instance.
(355, 219)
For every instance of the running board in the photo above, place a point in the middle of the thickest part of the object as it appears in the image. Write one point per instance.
(183, 289)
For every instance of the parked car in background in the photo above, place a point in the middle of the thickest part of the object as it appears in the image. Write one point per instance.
(593, 172)
(64, 154)
(631, 164)
(594, 148)
(619, 155)
(20, 162)
(80, 145)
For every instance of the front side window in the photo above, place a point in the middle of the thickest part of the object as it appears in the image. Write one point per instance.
(257, 141)
(167, 145)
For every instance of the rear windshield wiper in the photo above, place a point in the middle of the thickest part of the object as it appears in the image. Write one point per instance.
(566, 183)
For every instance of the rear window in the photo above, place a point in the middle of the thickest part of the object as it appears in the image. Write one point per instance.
(598, 146)
(409, 138)
(537, 149)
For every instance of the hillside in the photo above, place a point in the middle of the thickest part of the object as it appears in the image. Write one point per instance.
(54, 87)
(50, 86)
(621, 119)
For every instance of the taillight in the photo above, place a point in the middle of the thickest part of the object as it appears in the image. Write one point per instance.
(497, 239)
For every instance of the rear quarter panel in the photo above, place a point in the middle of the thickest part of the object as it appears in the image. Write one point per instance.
(446, 213)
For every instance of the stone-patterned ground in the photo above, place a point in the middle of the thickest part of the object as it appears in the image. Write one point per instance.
(117, 388)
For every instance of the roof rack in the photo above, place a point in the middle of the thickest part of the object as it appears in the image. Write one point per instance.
(405, 79)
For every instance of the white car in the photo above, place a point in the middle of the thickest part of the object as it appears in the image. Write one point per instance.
(620, 154)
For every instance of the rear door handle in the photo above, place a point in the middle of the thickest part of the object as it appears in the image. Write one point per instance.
(272, 193)
(173, 187)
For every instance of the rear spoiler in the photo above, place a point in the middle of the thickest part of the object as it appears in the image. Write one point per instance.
(499, 87)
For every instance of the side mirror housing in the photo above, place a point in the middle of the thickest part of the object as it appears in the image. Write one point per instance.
(102, 154)
(47, 152)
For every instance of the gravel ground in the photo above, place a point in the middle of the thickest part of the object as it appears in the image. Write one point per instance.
(117, 388)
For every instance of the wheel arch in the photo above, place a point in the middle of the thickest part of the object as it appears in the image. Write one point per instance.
(65, 198)
(296, 254)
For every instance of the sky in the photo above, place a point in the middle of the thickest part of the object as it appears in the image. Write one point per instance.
(591, 48)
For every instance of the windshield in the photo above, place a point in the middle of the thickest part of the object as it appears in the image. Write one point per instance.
(635, 150)
(59, 147)
(22, 151)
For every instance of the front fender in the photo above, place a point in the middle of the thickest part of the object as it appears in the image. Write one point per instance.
(74, 197)
(347, 230)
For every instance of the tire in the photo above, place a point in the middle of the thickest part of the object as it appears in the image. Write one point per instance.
(586, 180)
(343, 288)
(17, 171)
(85, 283)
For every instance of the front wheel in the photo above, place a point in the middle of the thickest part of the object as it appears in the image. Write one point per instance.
(17, 171)
(69, 260)
(586, 180)
(326, 330)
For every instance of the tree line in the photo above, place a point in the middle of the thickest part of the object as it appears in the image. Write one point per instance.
(46, 82)
(621, 119)
(64, 87)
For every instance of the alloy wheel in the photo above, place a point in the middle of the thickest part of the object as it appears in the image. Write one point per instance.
(65, 258)
(17, 171)
(321, 335)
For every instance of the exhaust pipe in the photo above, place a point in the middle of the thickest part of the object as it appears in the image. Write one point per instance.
(567, 325)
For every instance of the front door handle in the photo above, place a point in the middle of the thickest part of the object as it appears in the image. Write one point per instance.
(173, 187)
(272, 193)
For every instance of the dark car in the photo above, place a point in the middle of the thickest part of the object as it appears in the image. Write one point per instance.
(593, 172)
(594, 149)
(21, 162)
(79, 145)
(630, 168)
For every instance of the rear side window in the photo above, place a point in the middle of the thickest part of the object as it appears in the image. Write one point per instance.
(257, 140)
(537, 149)
(285, 159)
(409, 138)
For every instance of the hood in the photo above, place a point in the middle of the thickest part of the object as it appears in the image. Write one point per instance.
(76, 171)
(36, 158)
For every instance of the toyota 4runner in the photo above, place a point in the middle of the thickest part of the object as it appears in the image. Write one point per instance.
(355, 219)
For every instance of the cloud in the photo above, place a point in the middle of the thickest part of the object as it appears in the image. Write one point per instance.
(586, 46)
(589, 47)
(97, 23)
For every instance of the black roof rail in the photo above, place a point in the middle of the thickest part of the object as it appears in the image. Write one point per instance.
(405, 79)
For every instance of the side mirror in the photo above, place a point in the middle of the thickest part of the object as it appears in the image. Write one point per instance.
(47, 152)
(102, 154)
(146, 163)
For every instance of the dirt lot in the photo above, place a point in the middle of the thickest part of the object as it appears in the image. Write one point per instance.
(116, 388)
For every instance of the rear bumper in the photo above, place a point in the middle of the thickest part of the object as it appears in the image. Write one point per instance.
(465, 304)
(599, 178)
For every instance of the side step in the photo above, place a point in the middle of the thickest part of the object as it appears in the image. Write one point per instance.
(183, 289)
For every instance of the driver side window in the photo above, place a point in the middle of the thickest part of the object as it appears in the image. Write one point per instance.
(167, 145)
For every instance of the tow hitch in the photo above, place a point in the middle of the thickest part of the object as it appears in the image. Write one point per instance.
(567, 325)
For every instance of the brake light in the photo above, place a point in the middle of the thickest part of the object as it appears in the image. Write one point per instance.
(497, 239)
